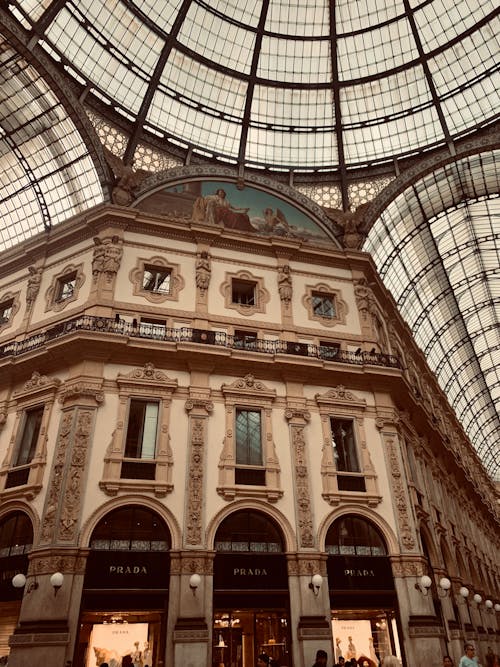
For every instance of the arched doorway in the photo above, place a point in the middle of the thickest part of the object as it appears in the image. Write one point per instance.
(16, 540)
(362, 595)
(251, 600)
(125, 590)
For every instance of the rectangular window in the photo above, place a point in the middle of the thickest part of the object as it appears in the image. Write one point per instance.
(6, 310)
(248, 438)
(323, 305)
(65, 287)
(243, 292)
(328, 349)
(245, 340)
(156, 279)
(344, 445)
(141, 430)
(29, 437)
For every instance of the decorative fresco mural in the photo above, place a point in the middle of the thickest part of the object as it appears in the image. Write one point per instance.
(222, 203)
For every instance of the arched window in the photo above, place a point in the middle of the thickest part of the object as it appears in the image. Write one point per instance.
(131, 528)
(248, 531)
(354, 536)
(16, 535)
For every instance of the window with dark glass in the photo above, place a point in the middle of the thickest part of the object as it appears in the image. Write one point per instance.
(354, 536)
(141, 430)
(65, 287)
(16, 535)
(246, 340)
(29, 437)
(344, 445)
(156, 279)
(328, 349)
(249, 466)
(323, 305)
(6, 311)
(243, 292)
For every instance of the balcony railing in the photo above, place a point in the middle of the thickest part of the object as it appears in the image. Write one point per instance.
(145, 331)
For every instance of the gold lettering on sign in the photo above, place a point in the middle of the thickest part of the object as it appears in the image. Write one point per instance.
(249, 572)
(127, 569)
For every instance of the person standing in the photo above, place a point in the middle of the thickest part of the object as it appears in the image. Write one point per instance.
(321, 658)
(469, 658)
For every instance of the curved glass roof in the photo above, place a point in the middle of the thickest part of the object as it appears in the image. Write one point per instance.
(437, 249)
(283, 83)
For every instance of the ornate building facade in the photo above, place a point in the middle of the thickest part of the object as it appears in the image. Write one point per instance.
(216, 427)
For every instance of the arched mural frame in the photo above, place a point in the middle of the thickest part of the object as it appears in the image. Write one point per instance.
(181, 175)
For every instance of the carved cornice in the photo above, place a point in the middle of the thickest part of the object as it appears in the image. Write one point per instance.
(146, 375)
(81, 390)
(340, 396)
(35, 385)
(249, 385)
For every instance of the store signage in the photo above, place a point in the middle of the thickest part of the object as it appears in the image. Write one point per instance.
(360, 573)
(122, 569)
(250, 572)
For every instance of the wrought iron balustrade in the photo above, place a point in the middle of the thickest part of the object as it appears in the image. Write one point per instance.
(155, 332)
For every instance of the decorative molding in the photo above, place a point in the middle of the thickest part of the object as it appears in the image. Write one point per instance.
(253, 394)
(13, 299)
(33, 287)
(177, 282)
(302, 488)
(262, 296)
(50, 294)
(107, 256)
(399, 494)
(340, 305)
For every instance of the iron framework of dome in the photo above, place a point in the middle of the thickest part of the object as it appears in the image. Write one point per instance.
(338, 98)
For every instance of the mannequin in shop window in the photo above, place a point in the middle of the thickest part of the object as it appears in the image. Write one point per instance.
(136, 655)
(147, 655)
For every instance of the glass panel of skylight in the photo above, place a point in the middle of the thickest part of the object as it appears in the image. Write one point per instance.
(375, 51)
(162, 12)
(200, 86)
(34, 8)
(391, 137)
(464, 63)
(473, 105)
(195, 126)
(295, 60)
(439, 21)
(97, 63)
(290, 148)
(381, 98)
(363, 14)
(222, 42)
(246, 13)
(292, 107)
(298, 18)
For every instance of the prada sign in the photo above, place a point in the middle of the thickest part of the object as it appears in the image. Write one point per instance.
(127, 569)
(250, 572)
(360, 573)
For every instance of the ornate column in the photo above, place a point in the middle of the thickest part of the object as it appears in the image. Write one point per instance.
(48, 620)
(416, 609)
(298, 417)
(190, 604)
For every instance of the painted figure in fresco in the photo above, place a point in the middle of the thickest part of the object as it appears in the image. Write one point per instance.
(276, 223)
(217, 210)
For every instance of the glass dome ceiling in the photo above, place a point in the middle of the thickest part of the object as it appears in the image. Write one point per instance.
(282, 83)
(329, 89)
